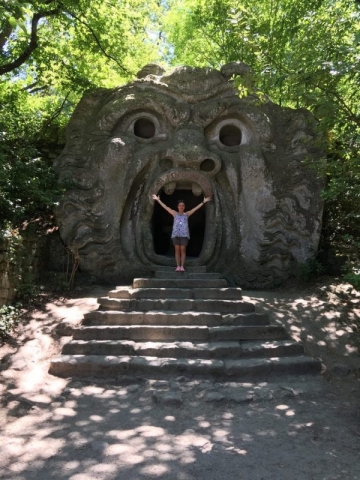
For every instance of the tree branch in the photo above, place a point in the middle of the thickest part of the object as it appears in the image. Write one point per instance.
(39, 89)
(107, 55)
(54, 115)
(5, 34)
(33, 43)
(352, 116)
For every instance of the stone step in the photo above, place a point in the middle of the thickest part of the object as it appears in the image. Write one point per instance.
(179, 333)
(179, 282)
(174, 275)
(115, 317)
(180, 323)
(177, 304)
(189, 269)
(113, 366)
(228, 293)
(205, 350)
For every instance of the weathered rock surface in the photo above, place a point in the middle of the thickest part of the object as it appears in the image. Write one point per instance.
(185, 134)
(214, 339)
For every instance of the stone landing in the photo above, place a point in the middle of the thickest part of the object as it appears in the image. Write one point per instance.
(178, 323)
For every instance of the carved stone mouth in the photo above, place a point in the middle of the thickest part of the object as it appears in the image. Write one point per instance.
(199, 184)
(170, 188)
(182, 179)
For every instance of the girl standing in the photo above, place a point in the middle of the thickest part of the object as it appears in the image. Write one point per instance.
(180, 232)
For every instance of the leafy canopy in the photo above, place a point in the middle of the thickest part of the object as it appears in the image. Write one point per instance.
(50, 52)
(303, 54)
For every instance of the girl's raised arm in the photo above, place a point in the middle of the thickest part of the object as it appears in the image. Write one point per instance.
(157, 198)
(190, 212)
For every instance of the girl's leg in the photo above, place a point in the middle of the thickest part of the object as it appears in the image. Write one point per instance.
(183, 254)
(177, 255)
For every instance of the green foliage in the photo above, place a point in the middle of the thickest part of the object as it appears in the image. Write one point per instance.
(28, 287)
(353, 276)
(59, 282)
(78, 44)
(9, 318)
(311, 269)
(50, 52)
(28, 186)
(19, 268)
(303, 54)
(18, 265)
(13, 245)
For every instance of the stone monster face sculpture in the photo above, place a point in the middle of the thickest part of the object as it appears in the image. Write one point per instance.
(183, 135)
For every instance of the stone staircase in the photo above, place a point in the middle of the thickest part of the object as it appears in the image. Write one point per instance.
(189, 324)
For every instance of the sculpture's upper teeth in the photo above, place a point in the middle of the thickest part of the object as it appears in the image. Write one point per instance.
(169, 188)
(196, 189)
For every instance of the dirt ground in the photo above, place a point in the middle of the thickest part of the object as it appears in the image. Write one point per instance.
(303, 428)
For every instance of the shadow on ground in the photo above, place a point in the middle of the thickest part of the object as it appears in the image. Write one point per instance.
(326, 321)
(303, 428)
(120, 432)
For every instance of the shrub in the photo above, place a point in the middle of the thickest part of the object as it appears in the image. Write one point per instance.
(311, 269)
(352, 276)
(9, 318)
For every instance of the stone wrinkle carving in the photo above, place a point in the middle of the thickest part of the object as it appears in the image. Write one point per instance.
(189, 130)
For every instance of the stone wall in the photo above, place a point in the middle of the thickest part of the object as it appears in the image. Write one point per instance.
(7, 290)
(30, 258)
(22, 259)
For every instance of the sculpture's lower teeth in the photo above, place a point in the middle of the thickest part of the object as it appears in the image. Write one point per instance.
(169, 188)
(196, 189)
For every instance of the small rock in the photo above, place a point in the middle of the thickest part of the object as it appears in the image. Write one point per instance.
(264, 394)
(160, 384)
(321, 292)
(154, 395)
(289, 392)
(243, 398)
(99, 446)
(19, 365)
(77, 385)
(64, 329)
(207, 386)
(340, 369)
(214, 397)
(133, 388)
(168, 398)
(182, 379)
(172, 398)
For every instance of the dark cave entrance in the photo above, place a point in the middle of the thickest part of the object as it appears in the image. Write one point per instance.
(162, 223)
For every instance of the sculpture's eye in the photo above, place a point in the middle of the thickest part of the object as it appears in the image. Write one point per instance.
(144, 128)
(230, 135)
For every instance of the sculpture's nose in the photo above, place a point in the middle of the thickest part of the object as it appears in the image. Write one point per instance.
(189, 151)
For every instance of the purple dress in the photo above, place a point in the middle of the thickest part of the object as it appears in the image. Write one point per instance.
(180, 226)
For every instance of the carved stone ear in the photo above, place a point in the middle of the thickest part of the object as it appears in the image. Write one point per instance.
(236, 68)
(150, 69)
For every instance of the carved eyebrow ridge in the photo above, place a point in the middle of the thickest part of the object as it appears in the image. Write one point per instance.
(210, 111)
(160, 103)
